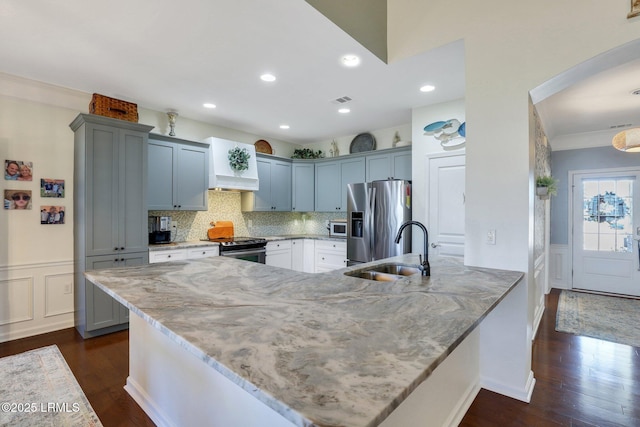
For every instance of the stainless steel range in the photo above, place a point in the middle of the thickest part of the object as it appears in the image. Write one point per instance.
(247, 248)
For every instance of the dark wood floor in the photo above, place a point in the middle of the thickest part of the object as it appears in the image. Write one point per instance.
(579, 381)
(100, 365)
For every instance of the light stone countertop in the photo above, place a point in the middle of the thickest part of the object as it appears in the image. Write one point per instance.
(203, 243)
(321, 349)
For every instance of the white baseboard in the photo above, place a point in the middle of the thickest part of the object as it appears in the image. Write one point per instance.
(523, 395)
(146, 403)
(15, 333)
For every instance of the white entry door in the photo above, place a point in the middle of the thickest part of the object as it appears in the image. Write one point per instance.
(446, 205)
(606, 228)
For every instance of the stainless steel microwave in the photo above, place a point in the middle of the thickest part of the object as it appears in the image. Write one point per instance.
(338, 228)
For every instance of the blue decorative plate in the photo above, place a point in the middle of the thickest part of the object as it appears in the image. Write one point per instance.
(462, 130)
(434, 127)
(362, 142)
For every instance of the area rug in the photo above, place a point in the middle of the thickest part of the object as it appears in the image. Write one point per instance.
(609, 318)
(37, 388)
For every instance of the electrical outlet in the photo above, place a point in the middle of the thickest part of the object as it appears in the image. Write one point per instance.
(68, 289)
(174, 225)
(249, 223)
(491, 237)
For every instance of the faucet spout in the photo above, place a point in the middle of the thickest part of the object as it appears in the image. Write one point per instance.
(424, 262)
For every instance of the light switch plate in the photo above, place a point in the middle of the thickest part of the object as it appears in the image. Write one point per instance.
(491, 237)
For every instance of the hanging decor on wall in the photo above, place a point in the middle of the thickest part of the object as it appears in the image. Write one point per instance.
(635, 9)
(450, 133)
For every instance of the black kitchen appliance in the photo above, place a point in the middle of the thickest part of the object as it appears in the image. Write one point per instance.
(159, 230)
(247, 248)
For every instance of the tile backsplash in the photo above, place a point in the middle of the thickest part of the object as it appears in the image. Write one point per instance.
(225, 206)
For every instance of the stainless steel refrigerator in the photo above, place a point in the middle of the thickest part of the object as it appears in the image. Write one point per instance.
(375, 211)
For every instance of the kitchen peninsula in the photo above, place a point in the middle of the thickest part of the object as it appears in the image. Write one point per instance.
(220, 341)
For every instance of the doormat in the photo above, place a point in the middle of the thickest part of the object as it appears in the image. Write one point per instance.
(609, 318)
(39, 389)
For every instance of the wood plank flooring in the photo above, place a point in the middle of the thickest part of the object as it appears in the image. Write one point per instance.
(580, 381)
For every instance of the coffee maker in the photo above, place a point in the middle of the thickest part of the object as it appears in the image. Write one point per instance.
(159, 230)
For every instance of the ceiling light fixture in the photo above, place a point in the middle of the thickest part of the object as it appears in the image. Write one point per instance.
(351, 60)
(344, 111)
(209, 105)
(627, 140)
(427, 88)
(268, 78)
(284, 126)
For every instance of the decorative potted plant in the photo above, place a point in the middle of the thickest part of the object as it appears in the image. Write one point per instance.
(239, 159)
(307, 153)
(546, 186)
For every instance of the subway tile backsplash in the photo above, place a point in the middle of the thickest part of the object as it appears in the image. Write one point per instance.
(225, 206)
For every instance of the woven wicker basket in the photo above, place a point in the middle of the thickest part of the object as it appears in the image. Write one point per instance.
(114, 108)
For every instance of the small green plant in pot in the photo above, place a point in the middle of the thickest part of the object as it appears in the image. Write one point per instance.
(546, 185)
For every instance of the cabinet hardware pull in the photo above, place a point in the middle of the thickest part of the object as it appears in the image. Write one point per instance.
(122, 248)
(115, 249)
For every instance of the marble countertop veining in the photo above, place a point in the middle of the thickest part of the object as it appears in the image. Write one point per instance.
(321, 349)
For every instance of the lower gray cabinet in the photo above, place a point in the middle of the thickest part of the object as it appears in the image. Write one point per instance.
(101, 313)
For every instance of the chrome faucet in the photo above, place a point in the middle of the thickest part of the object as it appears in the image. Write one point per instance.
(424, 263)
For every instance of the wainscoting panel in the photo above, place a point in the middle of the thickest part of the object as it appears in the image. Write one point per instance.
(17, 300)
(58, 294)
(559, 267)
(35, 298)
(540, 283)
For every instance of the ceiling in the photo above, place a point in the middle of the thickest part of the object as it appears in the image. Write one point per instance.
(175, 56)
(602, 101)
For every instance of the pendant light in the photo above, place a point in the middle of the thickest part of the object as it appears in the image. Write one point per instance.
(628, 140)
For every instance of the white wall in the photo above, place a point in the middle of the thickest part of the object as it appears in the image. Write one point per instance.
(424, 145)
(383, 137)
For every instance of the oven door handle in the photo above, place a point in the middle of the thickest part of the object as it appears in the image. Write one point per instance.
(245, 252)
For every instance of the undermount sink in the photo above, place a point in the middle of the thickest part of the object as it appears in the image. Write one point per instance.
(385, 272)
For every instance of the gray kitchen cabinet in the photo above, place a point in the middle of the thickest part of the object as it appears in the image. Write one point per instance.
(391, 164)
(331, 182)
(102, 311)
(110, 211)
(275, 187)
(178, 174)
(303, 186)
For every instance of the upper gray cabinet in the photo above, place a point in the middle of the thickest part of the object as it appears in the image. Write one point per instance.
(274, 195)
(332, 178)
(391, 164)
(303, 186)
(178, 174)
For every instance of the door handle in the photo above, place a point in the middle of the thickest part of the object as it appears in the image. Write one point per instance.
(435, 245)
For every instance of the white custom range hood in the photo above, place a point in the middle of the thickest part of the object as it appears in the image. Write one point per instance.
(220, 173)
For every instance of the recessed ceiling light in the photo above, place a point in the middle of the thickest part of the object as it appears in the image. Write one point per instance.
(351, 60)
(344, 110)
(268, 78)
(209, 105)
(284, 126)
(427, 88)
